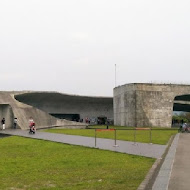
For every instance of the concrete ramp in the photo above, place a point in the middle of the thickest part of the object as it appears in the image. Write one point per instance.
(10, 108)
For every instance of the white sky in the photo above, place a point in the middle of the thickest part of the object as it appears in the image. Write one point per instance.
(72, 46)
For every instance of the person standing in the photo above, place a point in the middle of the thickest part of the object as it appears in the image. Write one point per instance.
(31, 122)
(15, 122)
(3, 123)
(184, 127)
(32, 128)
(107, 124)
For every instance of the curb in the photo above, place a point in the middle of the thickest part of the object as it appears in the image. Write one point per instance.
(150, 178)
(146, 183)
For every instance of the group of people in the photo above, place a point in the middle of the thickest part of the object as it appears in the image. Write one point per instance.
(87, 120)
(32, 128)
(14, 123)
(3, 123)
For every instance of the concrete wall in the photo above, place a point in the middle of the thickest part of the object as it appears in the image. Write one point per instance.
(57, 103)
(134, 105)
(146, 105)
(10, 108)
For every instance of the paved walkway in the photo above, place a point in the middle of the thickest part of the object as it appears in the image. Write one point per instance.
(180, 178)
(174, 173)
(163, 178)
(142, 149)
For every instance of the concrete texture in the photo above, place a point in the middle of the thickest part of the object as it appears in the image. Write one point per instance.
(149, 105)
(10, 108)
(141, 149)
(58, 103)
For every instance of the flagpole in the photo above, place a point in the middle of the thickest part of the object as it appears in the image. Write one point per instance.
(115, 76)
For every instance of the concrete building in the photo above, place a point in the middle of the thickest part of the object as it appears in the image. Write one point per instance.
(70, 107)
(11, 108)
(142, 105)
(149, 105)
(52, 109)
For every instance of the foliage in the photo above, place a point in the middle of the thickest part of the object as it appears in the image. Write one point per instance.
(185, 117)
(42, 165)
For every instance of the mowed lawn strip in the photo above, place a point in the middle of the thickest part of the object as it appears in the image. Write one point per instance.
(37, 164)
(159, 136)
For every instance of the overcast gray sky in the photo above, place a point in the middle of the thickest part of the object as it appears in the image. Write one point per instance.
(72, 46)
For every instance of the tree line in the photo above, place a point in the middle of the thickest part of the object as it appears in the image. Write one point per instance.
(183, 117)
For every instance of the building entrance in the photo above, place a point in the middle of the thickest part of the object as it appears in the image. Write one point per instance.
(71, 117)
(7, 113)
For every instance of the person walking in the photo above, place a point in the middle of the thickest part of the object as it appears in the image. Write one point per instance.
(3, 123)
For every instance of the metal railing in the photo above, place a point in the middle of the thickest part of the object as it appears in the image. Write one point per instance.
(99, 130)
(138, 128)
(115, 134)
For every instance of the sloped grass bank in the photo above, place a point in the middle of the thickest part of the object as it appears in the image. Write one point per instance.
(37, 164)
(159, 136)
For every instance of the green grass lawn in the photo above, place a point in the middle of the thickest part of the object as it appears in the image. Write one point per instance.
(37, 164)
(159, 136)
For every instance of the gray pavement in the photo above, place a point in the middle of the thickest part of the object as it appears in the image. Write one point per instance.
(181, 167)
(175, 170)
(141, 149)
(163, 178)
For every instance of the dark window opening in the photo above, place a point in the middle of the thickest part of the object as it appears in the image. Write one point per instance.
(181, 110)
(70, 117)
(102, 120)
